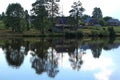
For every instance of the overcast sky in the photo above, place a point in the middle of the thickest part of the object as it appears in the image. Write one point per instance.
(108, 7)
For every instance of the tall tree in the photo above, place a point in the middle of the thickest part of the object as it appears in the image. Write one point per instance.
(85, 16)
(27, 19)
(2, 16)
(107, 18)
(52, 8)
(39, 15)
(14, 15)
(77, 11)
(97, 13)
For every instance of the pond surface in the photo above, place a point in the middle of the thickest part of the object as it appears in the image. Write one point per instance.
(59, 59)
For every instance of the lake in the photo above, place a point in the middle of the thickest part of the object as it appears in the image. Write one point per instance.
(59, 59)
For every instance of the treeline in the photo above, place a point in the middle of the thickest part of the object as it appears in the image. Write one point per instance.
(43, 14)
(18, 20)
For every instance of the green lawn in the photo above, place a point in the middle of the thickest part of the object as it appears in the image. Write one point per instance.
(88, 29)
(2, 26)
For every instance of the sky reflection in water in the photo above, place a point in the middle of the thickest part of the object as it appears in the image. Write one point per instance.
(84, 67)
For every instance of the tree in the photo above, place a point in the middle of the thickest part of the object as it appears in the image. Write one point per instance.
(112, 33)
(52, 8)
(14, 15)
(97, 13)
(107, 18)
(77, 11)
(2, 16)
(84, 17)
(27, 19)
(102, 22)
(39, 15)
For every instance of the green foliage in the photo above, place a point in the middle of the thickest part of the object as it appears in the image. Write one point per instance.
(84, 17)
(76, 12)
(2, 25)
(52, 8)
(97, 13)
(71, 20)
(104, 33)
(102, 22)
(100, 33)
(77, 9)
(39, 15)
(82, 23)
(27, 20)
(107, 18)
(14, 15)
(111, 32)
(2, 16)
(94, 33)
(72, 34)
(80, 33)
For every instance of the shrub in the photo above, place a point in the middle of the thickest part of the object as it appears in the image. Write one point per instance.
(94, 33)
(80, 33)
(104, 33)
(111, 31)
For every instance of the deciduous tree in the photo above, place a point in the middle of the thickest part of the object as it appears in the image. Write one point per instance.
(14, 16)
(97, 13)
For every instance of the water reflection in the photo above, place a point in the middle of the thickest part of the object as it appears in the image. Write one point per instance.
(46, 53)
(14, 52)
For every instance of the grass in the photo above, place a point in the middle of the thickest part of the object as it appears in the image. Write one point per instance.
(86, 31)
(2, 26)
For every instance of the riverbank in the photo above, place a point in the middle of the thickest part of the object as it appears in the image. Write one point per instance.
(89, 31)
(30, 33)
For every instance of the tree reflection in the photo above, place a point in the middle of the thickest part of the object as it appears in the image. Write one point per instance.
(15, 53)
(76, 60)
(46, 53)
(52, 66)
(44, 61)
(96, 49)
(39, 65)
(76, 57)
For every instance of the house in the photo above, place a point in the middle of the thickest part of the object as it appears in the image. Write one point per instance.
(62, 23)
(91, 21)
(113, 22)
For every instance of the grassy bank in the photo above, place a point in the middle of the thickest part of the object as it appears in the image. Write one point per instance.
(86, 31)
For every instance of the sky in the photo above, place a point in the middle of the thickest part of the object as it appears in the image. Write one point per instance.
(108, 7)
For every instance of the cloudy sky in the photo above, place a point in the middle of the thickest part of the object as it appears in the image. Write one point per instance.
(108, 7)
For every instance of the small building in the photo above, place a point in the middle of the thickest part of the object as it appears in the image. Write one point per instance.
(62, 23)
(113, 22)
(91, 21)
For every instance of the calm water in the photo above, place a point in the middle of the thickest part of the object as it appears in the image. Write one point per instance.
(59, 59)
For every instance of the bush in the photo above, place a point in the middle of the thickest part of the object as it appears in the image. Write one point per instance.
(104, 33)
(70, 34)
(111, 32)
(100, 33)
(73, 34)
(94, 33)
(80, 33)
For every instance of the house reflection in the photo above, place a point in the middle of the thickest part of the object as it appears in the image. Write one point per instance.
(71, 47)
